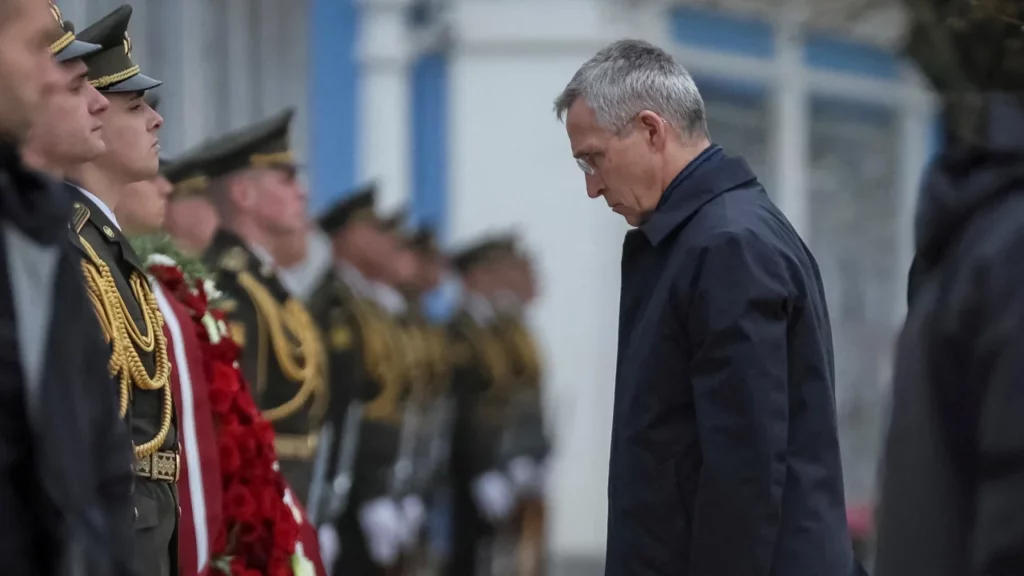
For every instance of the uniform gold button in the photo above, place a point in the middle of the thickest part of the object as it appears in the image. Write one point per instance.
(108, 231)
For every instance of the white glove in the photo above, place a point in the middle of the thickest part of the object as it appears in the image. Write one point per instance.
(414, 513)
(382, 523)
(493, 495)
(330, 546)
(524, 473)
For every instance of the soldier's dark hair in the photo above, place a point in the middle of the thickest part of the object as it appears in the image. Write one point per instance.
(968, 49)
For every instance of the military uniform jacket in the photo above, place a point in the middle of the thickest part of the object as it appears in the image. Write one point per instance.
(131, 322)
(430, 395)
(526, 435)
(481, 386)
(282, 353)
(365, 369)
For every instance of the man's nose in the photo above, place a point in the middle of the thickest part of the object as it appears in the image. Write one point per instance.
(595, 187)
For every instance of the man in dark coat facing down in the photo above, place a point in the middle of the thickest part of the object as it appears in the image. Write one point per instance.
(725, 456)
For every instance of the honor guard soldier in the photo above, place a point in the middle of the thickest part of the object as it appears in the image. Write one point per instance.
(395, 294)
(66, 477)
(526, 447)
(430, 401)
(252, 181)
(58, 139)
(191, 218)
(368, 379)
(119, 289)
(483, 495)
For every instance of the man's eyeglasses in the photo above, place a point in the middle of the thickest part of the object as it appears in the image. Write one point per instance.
(585, 166)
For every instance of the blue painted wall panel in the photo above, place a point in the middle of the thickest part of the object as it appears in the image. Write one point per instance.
(837, 55)
(734, 90)
(430, 141)
(333, 100)
(721, 32)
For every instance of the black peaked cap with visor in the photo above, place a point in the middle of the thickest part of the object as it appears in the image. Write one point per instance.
(111, 70)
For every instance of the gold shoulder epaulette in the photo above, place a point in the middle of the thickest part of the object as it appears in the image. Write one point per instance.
(234, 259)
(79, 216)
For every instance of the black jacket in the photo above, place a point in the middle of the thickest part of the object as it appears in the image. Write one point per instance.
(65, 457)
(952, 498)
(725, 455)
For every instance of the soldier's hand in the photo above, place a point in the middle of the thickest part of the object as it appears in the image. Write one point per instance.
(494, 496)
(330, 546)
(525, 475)
(382, 523)
(414, 513)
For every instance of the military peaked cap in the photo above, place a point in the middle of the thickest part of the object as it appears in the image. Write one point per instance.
(112, 69)
(424, 240)
(486, 251)
(353, 207)
(187, 172)
(260, 145)
(395, 221)
(63, 44)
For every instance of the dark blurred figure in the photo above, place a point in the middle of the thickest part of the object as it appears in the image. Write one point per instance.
(953, 487)
(65, 458)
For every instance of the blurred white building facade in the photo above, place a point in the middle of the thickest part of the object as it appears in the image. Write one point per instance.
(447, 104)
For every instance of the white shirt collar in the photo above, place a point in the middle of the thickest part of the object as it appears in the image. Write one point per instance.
(354, 279)
(508, 303)
(262, 255)
(100, 204)
(389, 299)
(479, 308)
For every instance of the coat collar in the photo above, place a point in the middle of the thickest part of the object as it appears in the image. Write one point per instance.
(108, 230)
(709, 175)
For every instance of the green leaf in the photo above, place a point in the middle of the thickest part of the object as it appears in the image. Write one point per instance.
(191, 266)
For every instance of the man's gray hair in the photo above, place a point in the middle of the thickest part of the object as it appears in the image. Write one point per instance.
(630, 76)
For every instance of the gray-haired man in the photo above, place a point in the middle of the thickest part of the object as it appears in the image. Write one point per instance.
(725, 456)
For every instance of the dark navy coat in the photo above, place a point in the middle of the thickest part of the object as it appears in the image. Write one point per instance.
(725, 456)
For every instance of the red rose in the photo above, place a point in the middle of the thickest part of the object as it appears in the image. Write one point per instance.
(268, 497)
(231, 428)
(263, 431)
(239, 503)
(280, 568)
(220, 399)
(230, 460)
(238, 565)
(286, 531)
(250, 532)
(225, 377)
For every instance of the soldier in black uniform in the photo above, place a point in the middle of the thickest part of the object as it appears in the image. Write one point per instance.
(483, 495)
(252, 180)
(63, 134)
(526, 447)
(367, 379)
(65, 474)
(431, 402)
(116, 281)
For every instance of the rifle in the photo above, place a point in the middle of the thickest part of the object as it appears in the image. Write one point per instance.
(340, 487)
(319, 472)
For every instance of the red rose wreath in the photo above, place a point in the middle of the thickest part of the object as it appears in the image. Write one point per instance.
(260, 533)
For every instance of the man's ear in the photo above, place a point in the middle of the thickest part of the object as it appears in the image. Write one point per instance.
(653, 127)
(240, 192)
